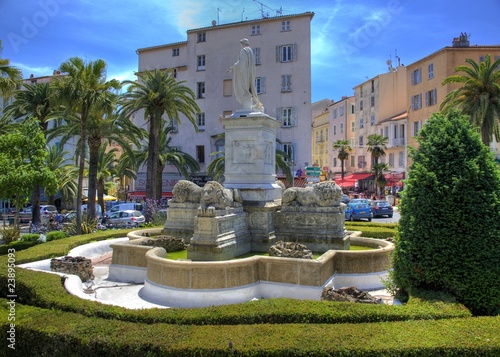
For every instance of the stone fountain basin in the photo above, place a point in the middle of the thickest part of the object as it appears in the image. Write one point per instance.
(179, 283)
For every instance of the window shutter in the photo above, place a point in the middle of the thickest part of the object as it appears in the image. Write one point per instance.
(413, 129)
(263, 84)
(294, 149)
(278, 53)
(412, 103)
(427, 95)
(294, 116)
(294, 52)
(278, 114)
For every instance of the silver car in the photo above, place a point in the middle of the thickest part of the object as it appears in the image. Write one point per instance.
(126, 218)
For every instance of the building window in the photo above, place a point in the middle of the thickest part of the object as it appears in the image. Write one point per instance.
(430, 69)
(415, 127)
(341, 110)
(285, 25)
(335, 130)
(227, 89)
(391, 159)
(286, 83)
(326, 134)
(416, 76)
(360, 105)
(416, 102)
(372, 101)
(256, 53)
(361, 123)
(201, 63)
(431, 98)
(353, 160)
(200, 153)
(352, 108)
(255, 30)
(287, 116)
(173, 126)
(260, 85)
(200, 120)
(227, 113)
(401, 160)
(334, 114)
(341, 128)
(202, 37)
(289, 150)
(372, 120)
(361, 141)
(334, 162)
(373, 86)
(361, 162)
(286, 53)
(174, 72)
(175, 52)
(200, 90)
(353, 126)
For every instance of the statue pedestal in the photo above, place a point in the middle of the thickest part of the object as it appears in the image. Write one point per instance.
(219, 235)
(250, 167)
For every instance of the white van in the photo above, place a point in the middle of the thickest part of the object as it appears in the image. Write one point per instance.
(126, 206)
(98, 210)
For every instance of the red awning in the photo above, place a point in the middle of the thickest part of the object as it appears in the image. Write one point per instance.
(345, 183)
(356, 177)
(141, 194)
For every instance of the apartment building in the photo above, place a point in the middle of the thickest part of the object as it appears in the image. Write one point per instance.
(425, 91)
(282, 48)
(328, 127)
(381, 108)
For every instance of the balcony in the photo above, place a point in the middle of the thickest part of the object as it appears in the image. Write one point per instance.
(399, 142)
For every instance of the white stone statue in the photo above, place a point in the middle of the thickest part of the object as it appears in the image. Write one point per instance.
(244, 78)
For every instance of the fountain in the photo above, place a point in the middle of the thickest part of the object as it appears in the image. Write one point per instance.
(250, 213)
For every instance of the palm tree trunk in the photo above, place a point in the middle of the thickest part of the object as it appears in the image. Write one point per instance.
(94, 145)
(100, 194)
(35, 205)
(81, 170)
(153, 155)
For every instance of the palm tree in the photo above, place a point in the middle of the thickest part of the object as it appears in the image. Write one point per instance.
(216, 168)
(478, 97)
(66, 172)
(183, 162)
(378, 171)
(86, 94)
(344, 149)
(158, 93)
(10, 77)
(106, 169)
(377, 144)
(34, 101)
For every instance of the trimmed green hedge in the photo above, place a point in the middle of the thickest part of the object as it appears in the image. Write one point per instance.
(57, 333)
(49, 321)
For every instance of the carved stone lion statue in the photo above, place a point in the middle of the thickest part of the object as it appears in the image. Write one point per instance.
(186, 192)
(215, 195)
(323, 194)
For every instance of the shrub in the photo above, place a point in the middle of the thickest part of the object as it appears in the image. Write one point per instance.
(89, 225)
(450, 217)
(54, 235)
(10, 234)
(30, 237)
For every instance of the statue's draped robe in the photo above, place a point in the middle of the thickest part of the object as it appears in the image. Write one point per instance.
(244, 80)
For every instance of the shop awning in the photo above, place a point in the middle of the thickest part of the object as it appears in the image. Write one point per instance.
(356, 177)
(345, 183)
(142, 194)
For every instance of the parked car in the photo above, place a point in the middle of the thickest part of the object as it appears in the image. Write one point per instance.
(345, 199)
(360, 200)
(381, 208)
(357, 211)
(126, 218)
(46, 211)
(126, 206)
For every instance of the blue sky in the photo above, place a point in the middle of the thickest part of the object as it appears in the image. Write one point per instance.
(351, 40)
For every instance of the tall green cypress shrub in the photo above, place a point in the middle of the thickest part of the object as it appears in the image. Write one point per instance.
(449, 232)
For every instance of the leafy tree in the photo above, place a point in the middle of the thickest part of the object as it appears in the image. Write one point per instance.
(86, 94)
(158, 94)
(448, 237)
(66, 172)
(344, 149)
(34, 101)
(22, 164)
(10, 77)
(478, 97)
(377, 144)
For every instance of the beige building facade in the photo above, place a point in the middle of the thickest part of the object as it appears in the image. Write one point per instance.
(282, 48)
(425, 91)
